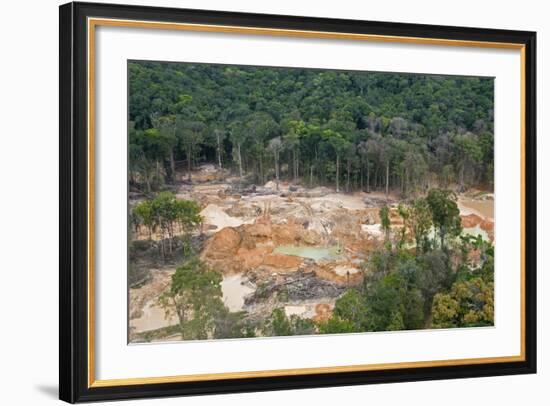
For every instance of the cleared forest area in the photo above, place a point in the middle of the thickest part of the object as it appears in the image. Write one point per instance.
(284, 201)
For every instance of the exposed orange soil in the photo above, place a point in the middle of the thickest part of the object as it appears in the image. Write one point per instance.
(323, 312)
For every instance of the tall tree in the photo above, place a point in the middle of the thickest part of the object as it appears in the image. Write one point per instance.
(259, 128)
(364, 151)
(195, 296)
(420, 221)
(237, 134)
(165, 213)
(275, 146)
(158, 147)
(296, 130)
(467, 154)
(220, 136)
(385, 222)
(166, 126)
(445, 213)
(339, 144)
(414, 169)
(191, 134)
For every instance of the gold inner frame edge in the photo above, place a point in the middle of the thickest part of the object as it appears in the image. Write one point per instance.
(94, 22)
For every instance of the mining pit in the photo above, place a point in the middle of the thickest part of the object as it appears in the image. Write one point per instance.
(302, 246)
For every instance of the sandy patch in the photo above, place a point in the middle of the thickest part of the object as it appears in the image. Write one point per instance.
(343, 270)
(234, 292)
(152, 317)
(215, 216)
(338, 200)
(372, 229)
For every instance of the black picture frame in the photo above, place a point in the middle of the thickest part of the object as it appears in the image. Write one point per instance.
(74, 199)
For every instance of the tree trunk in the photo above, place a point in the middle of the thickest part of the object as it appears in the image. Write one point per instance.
(297, 167)
(310, 175)
(147, 182)
(462, 177)
(368, 177)
(172, 165)
(348, 167)
(276, 153)
(240, 161)
(294, 166)
(161, 246)
(189, 163)
(387, 177)
(261, 170)
(157, 170)
(219, 150)
(181, 316)
(337, 173)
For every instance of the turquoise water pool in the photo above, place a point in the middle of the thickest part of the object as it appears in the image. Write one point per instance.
(315, 253)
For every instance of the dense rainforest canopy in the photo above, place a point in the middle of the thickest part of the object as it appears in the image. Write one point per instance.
(354, 130)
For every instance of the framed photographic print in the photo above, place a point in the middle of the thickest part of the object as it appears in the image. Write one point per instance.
(257, 202)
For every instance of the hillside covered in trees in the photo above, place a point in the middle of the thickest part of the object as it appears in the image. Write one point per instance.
(286, 201)
(353, 130)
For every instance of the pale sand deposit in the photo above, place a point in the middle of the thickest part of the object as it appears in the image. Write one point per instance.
(215, 216)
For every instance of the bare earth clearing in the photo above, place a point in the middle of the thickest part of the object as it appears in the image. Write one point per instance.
(308, 243)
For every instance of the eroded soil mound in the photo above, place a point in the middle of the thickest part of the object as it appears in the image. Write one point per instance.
(472, 221)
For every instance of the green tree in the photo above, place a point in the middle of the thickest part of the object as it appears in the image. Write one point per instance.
(191, 134)
(339, 144)
(141, 165)
(386, 153)
(382, 149)
(279, 324)
(238, 136)
(195, 296)
(393, 305)
(143, 215)
(385, 222)
(219, 134)
(351, 309)
(470, 303)
(414, 169)
(164, 213)
(445, 213)
(350, 153)
(275, 146)
(166, 126)
(259, 127)
(405, 214)
(229, 324)
(467, 154)
(295, 131)
(364, 152)
(433, 275)
(156, 147)
(336, 325)
(420, 223)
